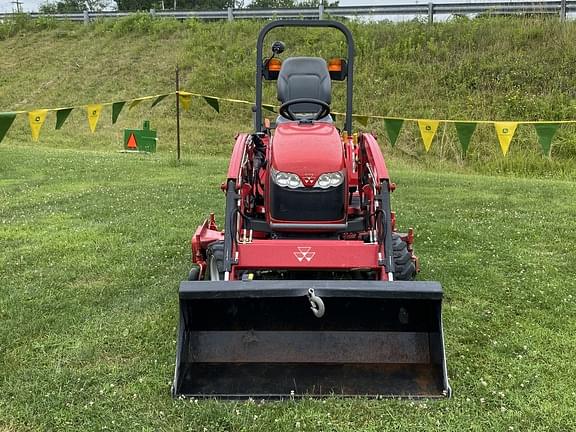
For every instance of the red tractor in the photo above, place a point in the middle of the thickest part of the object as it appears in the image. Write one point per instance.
(309, 288)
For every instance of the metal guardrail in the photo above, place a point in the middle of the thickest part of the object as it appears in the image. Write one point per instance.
(555, 7)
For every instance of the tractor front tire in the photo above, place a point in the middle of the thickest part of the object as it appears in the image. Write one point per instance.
(405, 267)
(194, 273)
(215, 261)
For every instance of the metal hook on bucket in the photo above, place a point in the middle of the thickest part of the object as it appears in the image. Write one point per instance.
(316, 304)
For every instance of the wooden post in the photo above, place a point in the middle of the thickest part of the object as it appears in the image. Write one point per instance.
(430, 13)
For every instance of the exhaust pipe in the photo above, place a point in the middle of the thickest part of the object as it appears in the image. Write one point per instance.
(273, 339)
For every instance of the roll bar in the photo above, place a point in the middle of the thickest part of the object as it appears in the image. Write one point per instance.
(258, 125)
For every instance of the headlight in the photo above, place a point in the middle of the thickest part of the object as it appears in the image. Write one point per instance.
(288, 180)
(329, 180)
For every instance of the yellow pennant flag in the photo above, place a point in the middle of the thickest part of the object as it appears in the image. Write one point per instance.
(363, 120)
(185, 100)
(135, 102)
(36, 120)
(505, 132)
(427, 131)
(93, 112)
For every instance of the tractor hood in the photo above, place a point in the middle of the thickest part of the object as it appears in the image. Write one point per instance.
(307, 150)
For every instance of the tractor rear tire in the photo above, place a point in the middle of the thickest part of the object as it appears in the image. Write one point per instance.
(405, 267)
(215, 261)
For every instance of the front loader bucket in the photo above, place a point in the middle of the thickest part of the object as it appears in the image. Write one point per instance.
(260, 339)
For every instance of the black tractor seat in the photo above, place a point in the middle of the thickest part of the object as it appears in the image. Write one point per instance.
(304, 77)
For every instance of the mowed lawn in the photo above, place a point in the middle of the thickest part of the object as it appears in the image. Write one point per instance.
(94, 244)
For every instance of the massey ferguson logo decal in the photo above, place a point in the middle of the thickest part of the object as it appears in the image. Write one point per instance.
(308, 179)
(304, 253)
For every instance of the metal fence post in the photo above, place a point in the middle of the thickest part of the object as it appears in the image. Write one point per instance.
(320, 11)
(563, 10)
(178, 112)
(86, 17)
(230, 14)
(430, 13)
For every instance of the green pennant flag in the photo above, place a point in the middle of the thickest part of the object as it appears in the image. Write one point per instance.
(465, 130)
(158, 100)
(213, 102)
(61, 116)
(393, 127)
(545, 132)
(270, 108)
(363, 120)
(116, 110)
(6, 120)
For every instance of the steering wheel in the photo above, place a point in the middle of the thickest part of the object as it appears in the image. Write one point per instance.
(287, 113)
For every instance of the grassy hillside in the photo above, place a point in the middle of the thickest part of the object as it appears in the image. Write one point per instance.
(94, 244)
(497, 68)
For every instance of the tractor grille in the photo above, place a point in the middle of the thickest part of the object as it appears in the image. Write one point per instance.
(307, 204)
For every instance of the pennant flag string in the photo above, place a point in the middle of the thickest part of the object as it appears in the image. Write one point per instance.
(362, 118)
(505, 130)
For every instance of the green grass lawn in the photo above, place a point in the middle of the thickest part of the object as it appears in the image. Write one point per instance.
(94, 244)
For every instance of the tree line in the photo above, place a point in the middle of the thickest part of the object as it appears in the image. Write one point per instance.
(71, 6)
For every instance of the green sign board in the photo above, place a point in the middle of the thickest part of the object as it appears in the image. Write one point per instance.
(140, 140)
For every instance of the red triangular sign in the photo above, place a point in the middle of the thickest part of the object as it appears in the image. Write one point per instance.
(132, 145)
